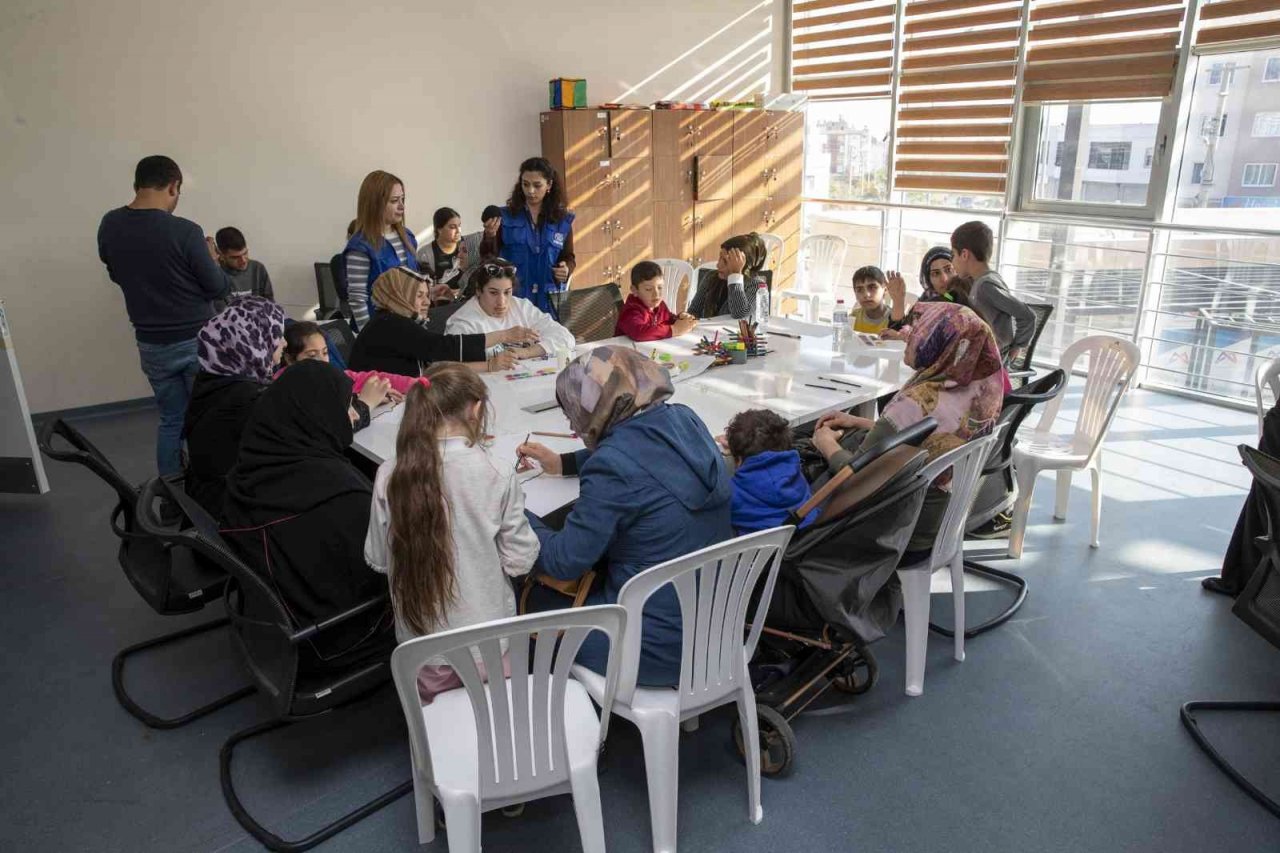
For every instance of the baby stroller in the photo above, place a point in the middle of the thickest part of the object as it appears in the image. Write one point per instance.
(833, 594)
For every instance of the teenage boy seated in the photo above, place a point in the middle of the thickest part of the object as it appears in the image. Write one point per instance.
(768, 483)
(644, 316)
(1009, 317)
(247, 275)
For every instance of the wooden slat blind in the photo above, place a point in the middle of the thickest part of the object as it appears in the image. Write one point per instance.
(1081, 50)
(1225, 21)
(955, 96)
(843, 48)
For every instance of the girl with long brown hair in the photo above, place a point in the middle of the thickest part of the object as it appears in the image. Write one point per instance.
(447, 524)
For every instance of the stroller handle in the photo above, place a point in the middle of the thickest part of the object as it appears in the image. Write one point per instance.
(913, 435)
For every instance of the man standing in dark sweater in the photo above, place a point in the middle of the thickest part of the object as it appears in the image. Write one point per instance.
(170, 277)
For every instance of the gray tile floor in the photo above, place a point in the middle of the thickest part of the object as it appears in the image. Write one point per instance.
(1059, 733)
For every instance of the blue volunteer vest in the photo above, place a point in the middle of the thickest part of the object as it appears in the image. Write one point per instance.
(384, 258)
(535, 251)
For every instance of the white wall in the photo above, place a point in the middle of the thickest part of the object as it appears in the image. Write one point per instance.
(275, 111)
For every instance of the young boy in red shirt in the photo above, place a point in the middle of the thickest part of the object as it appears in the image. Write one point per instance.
(644, 316)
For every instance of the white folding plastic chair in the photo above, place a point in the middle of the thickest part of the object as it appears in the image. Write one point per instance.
(674, 272)
(1266, 377)
(821, 259)
(965, 463)
(714, 587)
(1113, 362)
(484, 747)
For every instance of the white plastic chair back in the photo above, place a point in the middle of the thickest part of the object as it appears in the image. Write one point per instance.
(522, 752)
(714, 587)
(821, 259)
(674, 272)
(1113, 362)
(774, 247)
(1267, 377)
(965, 463)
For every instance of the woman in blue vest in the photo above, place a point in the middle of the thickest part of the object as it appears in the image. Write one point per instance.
(380, 241)
(536, 235)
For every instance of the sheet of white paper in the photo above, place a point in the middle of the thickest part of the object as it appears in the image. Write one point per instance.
(784, 326)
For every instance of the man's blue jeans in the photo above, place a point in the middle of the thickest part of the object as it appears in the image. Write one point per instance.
(171, 368)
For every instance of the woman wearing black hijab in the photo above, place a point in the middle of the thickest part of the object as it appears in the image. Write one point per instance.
(297, 511)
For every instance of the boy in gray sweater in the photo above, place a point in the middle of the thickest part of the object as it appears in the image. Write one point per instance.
(1009, 317)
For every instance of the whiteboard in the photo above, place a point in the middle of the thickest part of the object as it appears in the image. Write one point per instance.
(21, 468)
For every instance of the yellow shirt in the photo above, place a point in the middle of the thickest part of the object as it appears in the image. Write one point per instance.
(865, 325)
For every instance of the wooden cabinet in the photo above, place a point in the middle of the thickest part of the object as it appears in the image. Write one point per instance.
(675, 184)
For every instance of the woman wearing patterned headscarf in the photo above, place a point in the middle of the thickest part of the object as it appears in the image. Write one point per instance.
(653, 487)
(959, 381)
(238, 350)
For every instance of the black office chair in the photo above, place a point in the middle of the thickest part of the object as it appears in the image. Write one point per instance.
(998, 490)
(172, 581)
(272, 646)
(340, 335)
(591, 313)
(1259, 607)
(328, 304)
(438, 316)
(1021, 369)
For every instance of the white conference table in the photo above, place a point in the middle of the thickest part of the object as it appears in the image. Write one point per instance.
(779, 381)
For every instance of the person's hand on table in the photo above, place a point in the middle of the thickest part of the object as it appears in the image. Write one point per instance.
(683, 325)
(530, 351)
(375, 390)
(893, 335)
(518, 336)
(546, 458)
(827, 439)
(561, 272)
(504, 360)
(842, 421)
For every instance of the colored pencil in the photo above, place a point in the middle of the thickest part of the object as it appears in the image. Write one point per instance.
(840, 381)
(826, 388)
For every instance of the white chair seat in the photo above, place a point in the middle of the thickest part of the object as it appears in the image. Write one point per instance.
(648, 699)
(453, 764)
(1051, 448)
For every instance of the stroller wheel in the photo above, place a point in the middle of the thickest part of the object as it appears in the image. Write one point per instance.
(858, 674)
(777, 742)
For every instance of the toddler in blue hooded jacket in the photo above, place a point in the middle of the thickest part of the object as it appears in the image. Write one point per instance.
(768, 483)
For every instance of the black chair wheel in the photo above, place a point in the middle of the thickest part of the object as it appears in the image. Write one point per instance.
(856, 675)
(777, 742)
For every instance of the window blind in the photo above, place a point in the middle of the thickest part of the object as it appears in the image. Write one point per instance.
(1082, 50)
(1223, 21)
(954, 115)
(843, 49)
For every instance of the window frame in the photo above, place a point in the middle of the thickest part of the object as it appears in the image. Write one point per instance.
(1272, 115)
(1262, 167)
(1022, 199)
(1266, 68)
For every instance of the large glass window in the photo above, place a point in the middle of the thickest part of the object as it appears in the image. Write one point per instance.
(1234, 120)
(1085, 152)
(846, 149)
(1092, 277)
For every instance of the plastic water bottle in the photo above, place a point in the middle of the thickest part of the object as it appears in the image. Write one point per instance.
(762, 305)
(839, 324)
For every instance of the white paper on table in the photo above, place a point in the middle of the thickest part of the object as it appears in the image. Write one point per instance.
(381, 409)
(783, 326)
(543, 493)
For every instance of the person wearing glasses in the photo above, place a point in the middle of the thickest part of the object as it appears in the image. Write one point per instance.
(536, 235)
(496, 308)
